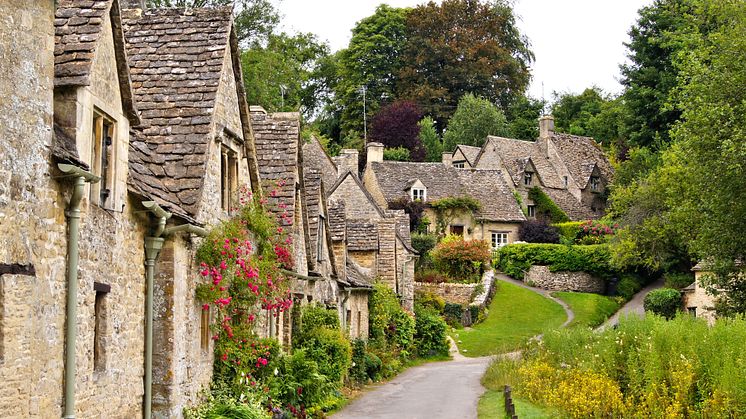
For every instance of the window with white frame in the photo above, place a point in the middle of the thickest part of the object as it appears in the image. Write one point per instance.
(527, 177)
(458, 164)
(419, 194)
(102, 162)
(531, 211)
(499, 239)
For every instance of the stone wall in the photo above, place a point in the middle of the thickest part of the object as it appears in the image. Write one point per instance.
(541, 277)
(451, 293)
(357, 304)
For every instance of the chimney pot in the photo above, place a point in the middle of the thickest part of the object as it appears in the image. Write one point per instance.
(375, 152)
(347, 161)
(447, 158)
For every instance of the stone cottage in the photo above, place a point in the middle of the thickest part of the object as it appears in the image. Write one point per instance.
(368, 241)
(572, 170)
(118, 144)
(497, 220)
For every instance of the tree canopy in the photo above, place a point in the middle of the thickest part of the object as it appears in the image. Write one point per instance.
(396, 125)
(473, 121)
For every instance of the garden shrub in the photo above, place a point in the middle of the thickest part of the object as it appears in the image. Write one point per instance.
(431, 276)
(312, 317)
(331, 350)
(595, 232)
(677, 280)
(461, 260)
(388, 322)
(415, 210)
(568, 231)
(453, 314)
(545, 207)
(538, 231)
(302, 387)
(430, 300)
(226, 407)
(629, 284)
(515, 259)
(664, 302)
(430, 333)
(423, 243)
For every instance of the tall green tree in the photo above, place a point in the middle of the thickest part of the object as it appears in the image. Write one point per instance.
(430, 140)
(372, 60)
(281, 75)
(523, 117)
(473, 121)
(459, 47)
(254, 20)
(591, 113)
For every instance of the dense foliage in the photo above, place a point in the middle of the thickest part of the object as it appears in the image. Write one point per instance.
(538, 231)
(430, 140)
(461, 260)
(644, 368)
(516, 259)
(545, 207)
(430, 333)
(446, 209)
(396, 125)
(415, 210)
(664, 302)
(396, 154)
(475, 118)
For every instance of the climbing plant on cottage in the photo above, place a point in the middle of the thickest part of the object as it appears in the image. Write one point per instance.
(241, 262)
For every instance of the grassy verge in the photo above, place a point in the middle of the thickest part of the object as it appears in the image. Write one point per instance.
(515, 315)
(492, 406)
(590, 309)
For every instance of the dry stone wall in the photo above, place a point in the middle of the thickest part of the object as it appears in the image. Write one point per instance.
(541, 277)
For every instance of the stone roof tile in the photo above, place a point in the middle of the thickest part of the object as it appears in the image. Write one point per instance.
(362, 235)
(581, 155)
(176, 59)
(336, 211)
(314, 156)
(355, 275)
(470, 152)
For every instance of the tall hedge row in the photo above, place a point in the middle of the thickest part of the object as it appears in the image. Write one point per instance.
(516, 259)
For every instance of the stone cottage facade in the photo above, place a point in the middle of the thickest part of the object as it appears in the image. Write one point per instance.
(115, 160)
(498, 219)
(572, 170)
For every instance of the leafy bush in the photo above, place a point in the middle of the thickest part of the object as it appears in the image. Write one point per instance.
(423, 243)
(396, 154)
(415, 210)
(388, 322)
(664, 302)
(312, 317)
(568, 231)
(677, 280)
(515, 259)
(595, 232)
(629, 284)
(302, 387)
(431, 276)
(430, 300)
(538, 231)
(430, 333)
(330, 350)
(223, 406)
(461, 260)
(545, 207)
(453, 313)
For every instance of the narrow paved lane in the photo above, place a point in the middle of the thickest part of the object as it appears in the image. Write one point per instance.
(438, 390)
(633, 307)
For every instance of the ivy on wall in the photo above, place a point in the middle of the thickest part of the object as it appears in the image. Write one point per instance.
(545, 207)
(446, 209)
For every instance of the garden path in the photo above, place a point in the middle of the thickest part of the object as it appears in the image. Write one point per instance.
(633, 307)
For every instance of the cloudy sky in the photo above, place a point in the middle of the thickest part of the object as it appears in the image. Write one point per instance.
(578, 43)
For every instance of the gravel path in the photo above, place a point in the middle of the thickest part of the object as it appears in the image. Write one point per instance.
(633, 307)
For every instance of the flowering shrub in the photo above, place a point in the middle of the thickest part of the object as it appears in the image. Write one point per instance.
(241, 262)
(595, 232)
(460, 259)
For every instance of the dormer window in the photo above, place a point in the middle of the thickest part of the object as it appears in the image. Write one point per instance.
(458, 165)
(102, 163)
(419, 194)
(595, 184)
(527, 177)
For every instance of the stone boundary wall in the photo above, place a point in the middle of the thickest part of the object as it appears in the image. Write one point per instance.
(541, 277)
(461, 293)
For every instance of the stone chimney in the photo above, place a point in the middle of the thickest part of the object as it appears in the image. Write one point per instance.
(347, 161)
(447, 158)
(375, 152)
(546, 126)
(132, 4)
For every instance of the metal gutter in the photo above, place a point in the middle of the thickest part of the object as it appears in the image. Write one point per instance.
(73, 233)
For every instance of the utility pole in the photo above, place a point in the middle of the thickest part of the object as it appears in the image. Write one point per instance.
(282, 97)
(365, 117)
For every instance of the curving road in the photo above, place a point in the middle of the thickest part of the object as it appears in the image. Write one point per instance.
(633, 307)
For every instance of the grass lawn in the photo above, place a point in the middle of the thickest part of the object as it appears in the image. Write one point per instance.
(515, 314)
(590, 309)
(492, 406)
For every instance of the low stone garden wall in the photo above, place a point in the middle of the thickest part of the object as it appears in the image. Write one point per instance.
(459, 296)
(540, 276)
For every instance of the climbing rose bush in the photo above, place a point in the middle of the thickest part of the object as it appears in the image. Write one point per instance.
(241, 263)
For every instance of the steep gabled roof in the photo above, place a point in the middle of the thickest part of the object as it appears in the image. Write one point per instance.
(442, 181)
(580, 155)
(360, 185)
(469, 152)
(515, 154)
(176, 61)
(314, 156)
(277, 140)
(78, 27)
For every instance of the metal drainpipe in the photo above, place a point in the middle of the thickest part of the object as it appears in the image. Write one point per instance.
(153, 246)
(73, 233)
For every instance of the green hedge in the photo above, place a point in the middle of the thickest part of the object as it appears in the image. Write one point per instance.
(430, 333)
(569, 231)
(545, 206)
(663, 302)
(516, 259)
